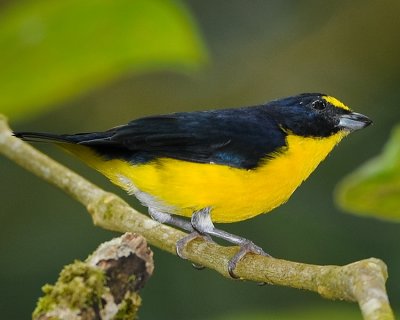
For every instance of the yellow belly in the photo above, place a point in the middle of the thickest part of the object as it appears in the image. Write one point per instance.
(181, 187)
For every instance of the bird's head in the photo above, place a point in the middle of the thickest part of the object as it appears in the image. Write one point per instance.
(316, 115)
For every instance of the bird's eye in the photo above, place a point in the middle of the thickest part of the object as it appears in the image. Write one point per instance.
(319, 105)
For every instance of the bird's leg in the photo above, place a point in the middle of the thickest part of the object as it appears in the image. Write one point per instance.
(201, 222)
(163, 217)
(202, 226)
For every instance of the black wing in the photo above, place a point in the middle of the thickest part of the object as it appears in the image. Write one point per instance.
(234, 137)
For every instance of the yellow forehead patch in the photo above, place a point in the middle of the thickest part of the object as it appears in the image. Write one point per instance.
(335, 102)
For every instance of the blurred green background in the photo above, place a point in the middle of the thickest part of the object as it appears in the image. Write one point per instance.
(81, 66)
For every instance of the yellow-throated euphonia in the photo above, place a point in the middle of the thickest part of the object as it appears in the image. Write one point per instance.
(216, 166)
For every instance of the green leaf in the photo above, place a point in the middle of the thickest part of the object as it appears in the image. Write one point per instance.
(51, 51)
(374, 189)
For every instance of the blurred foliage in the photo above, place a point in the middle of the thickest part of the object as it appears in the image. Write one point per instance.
(329, 313)
(374, 188)
(50, 50)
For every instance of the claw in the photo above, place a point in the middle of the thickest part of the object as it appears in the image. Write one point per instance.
(245, 248)
(182, 243)
(198, 266)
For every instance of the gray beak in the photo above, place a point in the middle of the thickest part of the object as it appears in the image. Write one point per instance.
(353, 121)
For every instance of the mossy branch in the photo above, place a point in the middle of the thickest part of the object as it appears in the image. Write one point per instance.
(362, 281)
(105, 286)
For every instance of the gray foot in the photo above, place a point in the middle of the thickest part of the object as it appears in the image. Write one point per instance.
(201, 222)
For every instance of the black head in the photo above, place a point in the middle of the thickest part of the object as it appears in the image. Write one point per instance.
(315, 114)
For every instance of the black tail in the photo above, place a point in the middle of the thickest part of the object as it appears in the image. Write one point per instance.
(59, 138)
(42, 137)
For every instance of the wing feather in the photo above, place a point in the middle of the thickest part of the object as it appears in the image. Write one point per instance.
(234, 137)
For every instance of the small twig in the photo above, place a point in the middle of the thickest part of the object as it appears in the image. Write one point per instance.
(362, 281)
(105, 286)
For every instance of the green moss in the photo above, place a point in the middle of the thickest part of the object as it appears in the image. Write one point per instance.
(81, 288)
(129, 307)
(78, 287)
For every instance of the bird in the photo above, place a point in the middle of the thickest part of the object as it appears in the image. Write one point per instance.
(194, 169)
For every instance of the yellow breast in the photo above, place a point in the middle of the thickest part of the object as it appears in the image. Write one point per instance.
(181, 187)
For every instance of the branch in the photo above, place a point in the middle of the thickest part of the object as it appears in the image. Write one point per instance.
(105, 286)
(362, 281)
